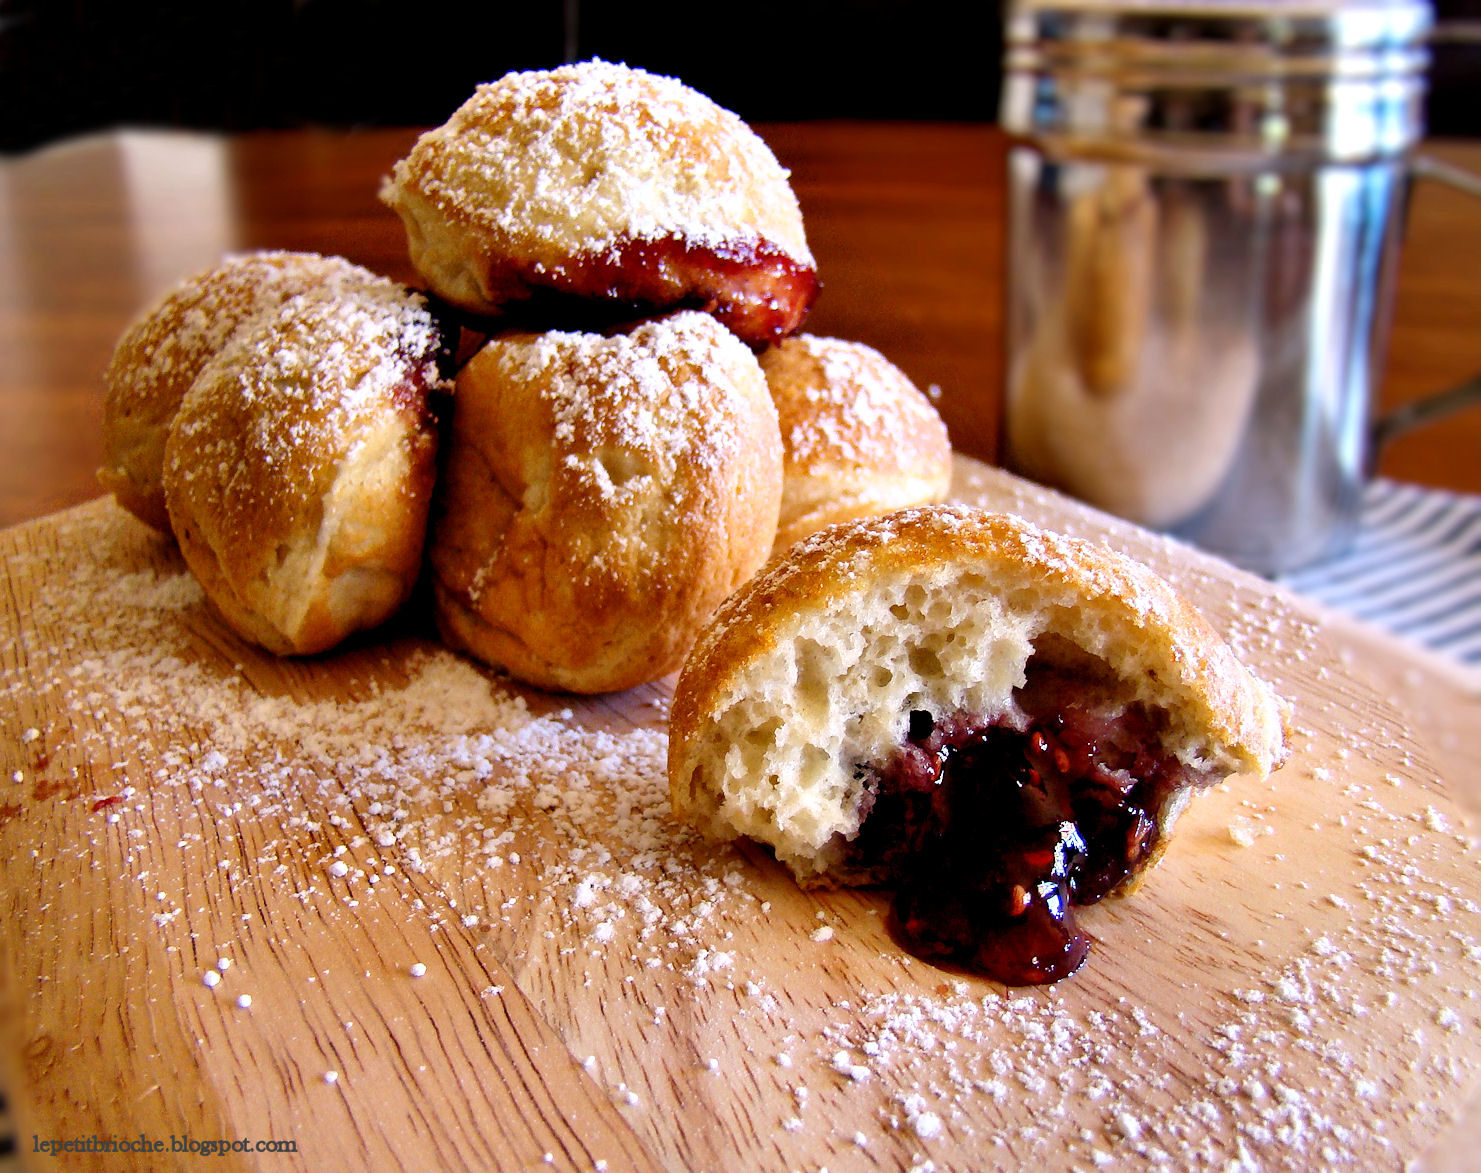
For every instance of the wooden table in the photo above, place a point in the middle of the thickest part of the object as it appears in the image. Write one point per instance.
(493, 953)
(905, 221)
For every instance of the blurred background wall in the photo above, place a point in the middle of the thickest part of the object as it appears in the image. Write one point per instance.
(71, 66)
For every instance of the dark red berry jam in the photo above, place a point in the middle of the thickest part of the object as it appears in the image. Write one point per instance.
(992, 831)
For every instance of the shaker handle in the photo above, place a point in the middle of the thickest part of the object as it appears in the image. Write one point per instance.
(1425, 411)
(1468, 394)
(1429, 167)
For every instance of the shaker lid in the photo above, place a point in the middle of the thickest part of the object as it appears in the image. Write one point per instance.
(1267, 7)
(1358, 17)
(1331, 79)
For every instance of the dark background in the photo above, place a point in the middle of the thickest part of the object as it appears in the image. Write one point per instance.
(68, 66)
(72, 66)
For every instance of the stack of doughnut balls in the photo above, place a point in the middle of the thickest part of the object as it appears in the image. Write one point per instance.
(598, 420)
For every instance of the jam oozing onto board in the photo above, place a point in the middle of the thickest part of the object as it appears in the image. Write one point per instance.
(994, 830)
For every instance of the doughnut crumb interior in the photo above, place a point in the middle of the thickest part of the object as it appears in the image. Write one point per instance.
(997, 721)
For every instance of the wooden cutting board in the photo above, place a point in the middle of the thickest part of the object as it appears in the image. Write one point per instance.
(389, 909)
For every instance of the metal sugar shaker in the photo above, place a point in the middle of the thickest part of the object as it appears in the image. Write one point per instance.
(1204, 211)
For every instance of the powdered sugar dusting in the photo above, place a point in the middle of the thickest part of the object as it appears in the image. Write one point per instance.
(160, 355)
(289, 389)
(692, 983)
(581, 158)
(641, 392)
(635, 480)
(175, 337)
(842, 401)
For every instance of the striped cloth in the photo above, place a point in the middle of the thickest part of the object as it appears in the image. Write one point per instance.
(1414, 568)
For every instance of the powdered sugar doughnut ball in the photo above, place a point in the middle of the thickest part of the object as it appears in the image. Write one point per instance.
(299, 469)
(604, 183)
(860, 438)
(601, 494)
(161, 353)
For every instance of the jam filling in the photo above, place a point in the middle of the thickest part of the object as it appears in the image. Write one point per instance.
(754, 288)
(994, 830)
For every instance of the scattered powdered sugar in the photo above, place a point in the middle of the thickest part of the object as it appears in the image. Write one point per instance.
(1246, 831)
(539, 827)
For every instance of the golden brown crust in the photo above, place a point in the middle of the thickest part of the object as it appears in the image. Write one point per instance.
(601, 494)
(160, 354)
(860, 438)
(299, 469)
(813, 666)
(604, 182)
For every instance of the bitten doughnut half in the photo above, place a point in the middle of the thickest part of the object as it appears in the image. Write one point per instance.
(998, 721)
(605, 183)
(161, 353)
(600, 496)
(859, 437)
(299, 470)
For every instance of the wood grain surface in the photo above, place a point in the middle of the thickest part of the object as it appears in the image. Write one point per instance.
(462, 931)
